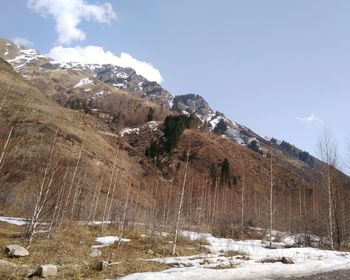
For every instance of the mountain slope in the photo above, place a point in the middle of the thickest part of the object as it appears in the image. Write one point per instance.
(35, 120)
(225, 157)
(93, 83)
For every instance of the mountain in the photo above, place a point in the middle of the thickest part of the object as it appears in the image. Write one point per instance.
(32, 121)
(88, 86)
(29, 63)
(133, 134)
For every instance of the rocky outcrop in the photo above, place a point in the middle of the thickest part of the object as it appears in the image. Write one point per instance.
(193, 103)
(30, 63)
(127, 78)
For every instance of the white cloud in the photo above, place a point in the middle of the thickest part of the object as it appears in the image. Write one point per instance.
(22, 42)
(69, 13)
(311, 119)
(95, 54)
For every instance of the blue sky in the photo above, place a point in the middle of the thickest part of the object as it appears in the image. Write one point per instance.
(279, 67)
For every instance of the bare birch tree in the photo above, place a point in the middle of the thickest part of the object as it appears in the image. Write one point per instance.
(271, 210)
(107, 196)
(42, 196)
(126, 208)
(5, 96)
(72, 182)
(328, 152)
(243, 202)
(179, 210)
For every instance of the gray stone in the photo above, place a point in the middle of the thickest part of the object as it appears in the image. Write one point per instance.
(94, 253)
(150, 252)
(206, 262)
(47, 270)
(102, 265)
(287, 260)
(16, 251)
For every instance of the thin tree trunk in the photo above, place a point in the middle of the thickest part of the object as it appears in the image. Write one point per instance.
(5, 96)
(242, 202)
(271, 201)
(96, 200)
(214, 203)
(178, 216)
(72, 182)
(124, 216)
(57, 204)
(112, 198)
(42, 196)
(330, 208)
(107, 197)
(5, 147)
(77, 190)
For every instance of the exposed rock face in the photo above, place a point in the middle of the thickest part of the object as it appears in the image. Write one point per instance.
(127, 78)
(193, 103)
(47, 270)
(30, 63)
(16, 251)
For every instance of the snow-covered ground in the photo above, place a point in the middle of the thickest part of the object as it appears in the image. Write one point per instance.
(109, 240)
(14, 220)
(251, 260)
(83, 82)
(231, 259)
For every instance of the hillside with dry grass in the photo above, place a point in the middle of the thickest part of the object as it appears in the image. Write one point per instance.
(81, 158)
(35, 120)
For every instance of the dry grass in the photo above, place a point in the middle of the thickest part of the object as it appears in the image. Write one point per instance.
(233, 253)
(69, 250)
(225, 266)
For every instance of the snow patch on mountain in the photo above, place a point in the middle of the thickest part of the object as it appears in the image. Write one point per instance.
(129, 130)
(25, 56)
(83, 82)
(236, 135)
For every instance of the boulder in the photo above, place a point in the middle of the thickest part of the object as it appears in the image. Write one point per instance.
(287, 260)
(5, 264)
(16, 251)
(94, 253)
(207, 262)
(150, 252)
(102, 265)
(47, 270)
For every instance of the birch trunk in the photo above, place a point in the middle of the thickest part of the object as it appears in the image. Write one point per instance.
(124, 216)
(178, 216)
(107, 197)
(271, 201)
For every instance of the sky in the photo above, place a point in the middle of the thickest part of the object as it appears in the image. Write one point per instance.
(279, 67)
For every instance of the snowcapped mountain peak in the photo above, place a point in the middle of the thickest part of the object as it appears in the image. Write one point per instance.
(32, 65)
